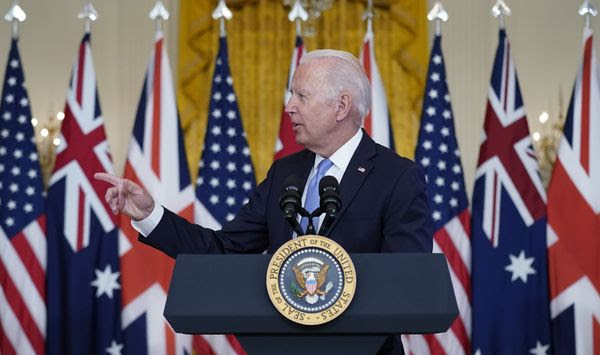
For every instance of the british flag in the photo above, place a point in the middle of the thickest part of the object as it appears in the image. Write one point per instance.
(377, 122)
(83, 295)
(156, 161)
(437, 152)
(22, 221)
(509, 279)
(286, 140)
(574, 217)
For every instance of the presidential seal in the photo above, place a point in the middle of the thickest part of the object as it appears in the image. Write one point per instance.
(311, 280)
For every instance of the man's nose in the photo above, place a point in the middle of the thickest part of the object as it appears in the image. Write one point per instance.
(290, 107)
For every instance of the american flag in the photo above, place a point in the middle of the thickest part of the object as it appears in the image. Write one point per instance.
(574, 217)
(286, 141)
(226, 175)
(22, 221)
(84, 292)
(377, 123)
(156, 161)
(437, 152)
(509, 268)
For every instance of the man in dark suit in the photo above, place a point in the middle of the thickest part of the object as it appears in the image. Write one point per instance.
(384, 205)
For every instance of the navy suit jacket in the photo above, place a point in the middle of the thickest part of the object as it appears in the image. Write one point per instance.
(384, 209)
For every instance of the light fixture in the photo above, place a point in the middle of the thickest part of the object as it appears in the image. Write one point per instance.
(314, 8)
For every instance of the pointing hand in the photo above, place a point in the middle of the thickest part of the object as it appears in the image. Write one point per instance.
(127, 197)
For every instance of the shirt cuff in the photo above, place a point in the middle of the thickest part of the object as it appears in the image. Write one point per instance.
(147, 225)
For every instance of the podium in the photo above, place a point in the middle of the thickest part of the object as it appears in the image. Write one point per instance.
(395, 294)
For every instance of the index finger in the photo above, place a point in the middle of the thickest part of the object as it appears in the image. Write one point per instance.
(108, 178)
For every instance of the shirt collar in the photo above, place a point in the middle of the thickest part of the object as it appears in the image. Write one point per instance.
(341, 157)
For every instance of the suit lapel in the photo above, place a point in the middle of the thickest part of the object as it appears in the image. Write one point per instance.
(359, 167)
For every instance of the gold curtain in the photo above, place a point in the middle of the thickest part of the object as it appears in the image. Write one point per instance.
(261, 40)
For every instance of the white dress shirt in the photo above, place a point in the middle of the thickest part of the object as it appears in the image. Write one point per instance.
(340, 159)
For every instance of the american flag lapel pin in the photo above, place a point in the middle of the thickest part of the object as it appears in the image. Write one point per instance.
(361, 169)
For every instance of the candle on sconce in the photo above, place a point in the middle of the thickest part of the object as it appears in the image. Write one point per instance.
(47, 132)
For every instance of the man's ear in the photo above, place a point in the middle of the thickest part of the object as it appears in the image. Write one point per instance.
(343, 106)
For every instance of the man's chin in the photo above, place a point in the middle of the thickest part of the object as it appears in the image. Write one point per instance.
(300, 139)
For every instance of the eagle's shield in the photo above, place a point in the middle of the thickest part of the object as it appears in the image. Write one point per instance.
(311, 284)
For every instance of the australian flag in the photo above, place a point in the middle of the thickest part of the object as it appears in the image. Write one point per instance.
(84, 296)
(226, 176)
(509, 270)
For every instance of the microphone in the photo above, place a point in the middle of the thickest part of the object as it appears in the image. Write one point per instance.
(290, 202)
(331, 202)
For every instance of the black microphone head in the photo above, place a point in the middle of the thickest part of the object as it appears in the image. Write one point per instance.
(328, 183)
(329, 191)
(291, 194)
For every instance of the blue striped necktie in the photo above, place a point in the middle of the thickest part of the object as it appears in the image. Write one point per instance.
(312, 194)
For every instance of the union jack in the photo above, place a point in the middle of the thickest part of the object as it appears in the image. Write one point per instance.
(510, 290)
(574, 217)
(377, 122)
(156, 161)
(286, 140)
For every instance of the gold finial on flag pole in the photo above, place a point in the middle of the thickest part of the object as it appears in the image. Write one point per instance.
(222, 13)
(89, 14)
(297, 14)
(159, 14)
(438, 14)
(500, 10)
(14, 16)
(587, 9)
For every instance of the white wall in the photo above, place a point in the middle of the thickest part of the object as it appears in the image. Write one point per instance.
(545, 37)
(122, 39)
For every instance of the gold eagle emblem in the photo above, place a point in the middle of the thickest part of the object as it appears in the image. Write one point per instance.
(320, 277)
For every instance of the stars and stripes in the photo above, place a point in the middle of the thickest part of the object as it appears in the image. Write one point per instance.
(574, 217)
(226, 175)
(83, 293)
(22, 221)
(377, 123)
(437, 152)
(156, 161)
(286, 140)
(510, 288)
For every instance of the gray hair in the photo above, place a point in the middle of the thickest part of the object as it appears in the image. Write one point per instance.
(348, 74)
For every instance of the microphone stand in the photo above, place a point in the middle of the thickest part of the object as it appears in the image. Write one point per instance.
(291, 219)
(310, 229)
(327, 223)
